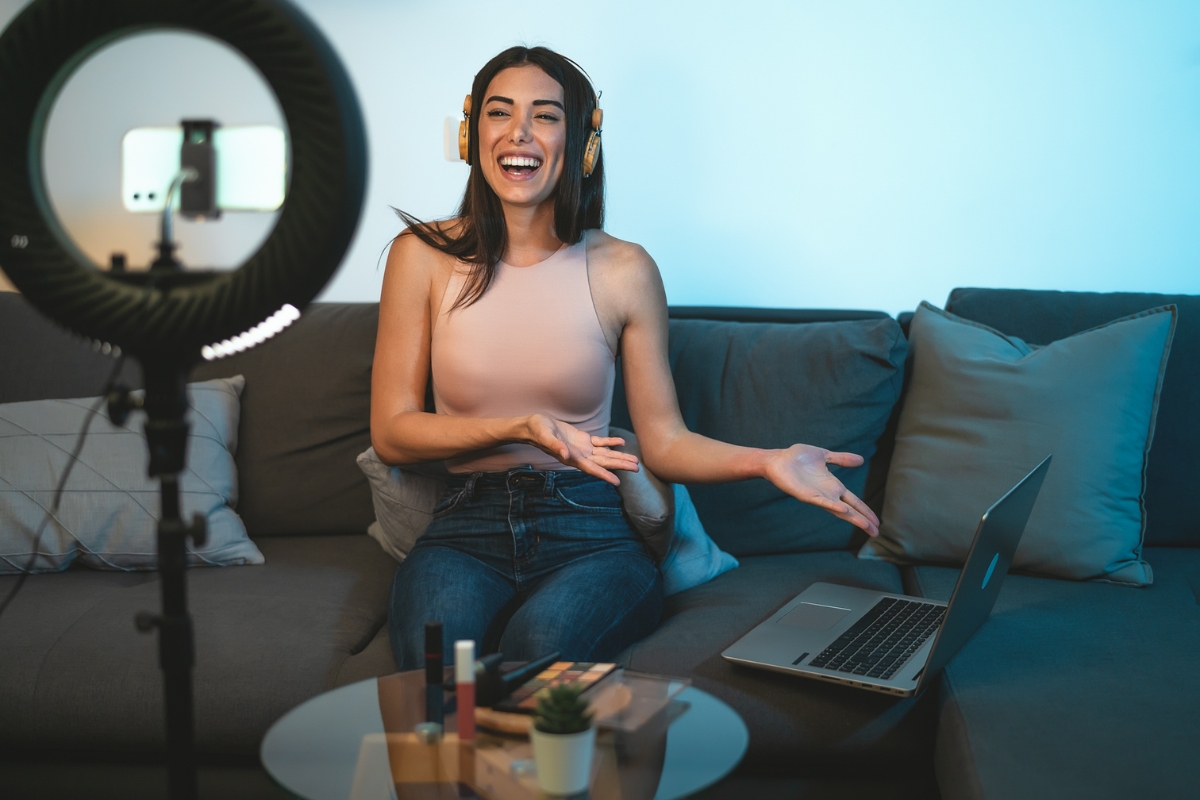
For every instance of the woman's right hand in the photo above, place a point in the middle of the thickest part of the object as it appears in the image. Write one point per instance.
(579, 449)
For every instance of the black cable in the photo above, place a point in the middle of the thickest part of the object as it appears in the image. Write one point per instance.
(62, 482)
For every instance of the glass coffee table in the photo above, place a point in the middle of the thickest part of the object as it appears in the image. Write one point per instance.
(356, 743)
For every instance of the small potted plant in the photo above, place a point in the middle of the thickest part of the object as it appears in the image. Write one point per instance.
(563, 739)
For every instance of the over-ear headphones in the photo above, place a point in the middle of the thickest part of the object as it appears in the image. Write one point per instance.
(591, 151)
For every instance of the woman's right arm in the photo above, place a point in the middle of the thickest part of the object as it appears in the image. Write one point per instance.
(402, 432)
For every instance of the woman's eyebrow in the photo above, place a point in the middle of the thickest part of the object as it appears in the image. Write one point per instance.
(499, 99)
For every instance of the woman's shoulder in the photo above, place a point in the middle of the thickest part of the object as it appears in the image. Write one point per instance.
(610, 254)
(624, 279)
(410, 250)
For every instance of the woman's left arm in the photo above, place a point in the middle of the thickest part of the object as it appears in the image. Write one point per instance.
(632, 292)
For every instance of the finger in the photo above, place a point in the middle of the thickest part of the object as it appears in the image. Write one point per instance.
(592, 468)
(832, 506)
(849, 513)
(862, 508)
(859, 521)
(607, 441)
(858, 514)
(625, 466)
(844, 459)
(606, 456)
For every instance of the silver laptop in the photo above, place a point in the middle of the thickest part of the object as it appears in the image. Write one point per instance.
(885, 642)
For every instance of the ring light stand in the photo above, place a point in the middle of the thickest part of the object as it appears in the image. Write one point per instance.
(165, 316)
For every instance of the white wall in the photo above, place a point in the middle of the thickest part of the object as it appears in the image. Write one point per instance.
(853, 154)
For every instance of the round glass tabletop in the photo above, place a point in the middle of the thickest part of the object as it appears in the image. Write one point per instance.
(356, 742)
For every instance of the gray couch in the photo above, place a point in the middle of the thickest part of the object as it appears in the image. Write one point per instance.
(1071, 689)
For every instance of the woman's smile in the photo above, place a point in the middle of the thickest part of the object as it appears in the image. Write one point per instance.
(519, 166)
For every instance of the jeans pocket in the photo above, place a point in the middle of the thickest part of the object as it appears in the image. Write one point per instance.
(595, 496)
(450, 500)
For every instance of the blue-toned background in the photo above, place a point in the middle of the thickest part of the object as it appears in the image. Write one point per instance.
(851, 154)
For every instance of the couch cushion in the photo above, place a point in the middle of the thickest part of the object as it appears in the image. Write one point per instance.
(797, 726)
(984, 408)
(830, 384)
(76, 675)
(305, 418)
(1173, 469)
(1075, 689)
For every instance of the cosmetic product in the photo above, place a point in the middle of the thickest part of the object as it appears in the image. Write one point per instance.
(428, 732)
(433, 672)
(489, 685)
(514, 679)
(464, 679)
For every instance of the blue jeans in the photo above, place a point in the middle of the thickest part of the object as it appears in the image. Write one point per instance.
(526, 562)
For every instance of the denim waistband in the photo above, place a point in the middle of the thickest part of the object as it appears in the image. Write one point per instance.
(519, 478)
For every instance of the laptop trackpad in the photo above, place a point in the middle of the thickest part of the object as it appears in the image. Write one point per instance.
(814, 617)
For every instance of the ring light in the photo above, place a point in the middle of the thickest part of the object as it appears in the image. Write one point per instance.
(183, 312)
(168, 318)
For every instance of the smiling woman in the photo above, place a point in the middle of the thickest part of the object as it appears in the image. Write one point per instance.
(517, 308)
(558, 104)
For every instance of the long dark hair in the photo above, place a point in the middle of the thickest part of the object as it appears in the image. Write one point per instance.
(480, 236)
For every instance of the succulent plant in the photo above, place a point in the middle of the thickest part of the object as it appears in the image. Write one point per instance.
(561, 710)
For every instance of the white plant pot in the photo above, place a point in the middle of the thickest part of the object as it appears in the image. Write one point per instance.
(564, 760)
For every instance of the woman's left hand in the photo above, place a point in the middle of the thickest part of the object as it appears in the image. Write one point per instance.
(802, 471)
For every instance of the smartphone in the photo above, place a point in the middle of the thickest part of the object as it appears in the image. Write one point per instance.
(252, 167)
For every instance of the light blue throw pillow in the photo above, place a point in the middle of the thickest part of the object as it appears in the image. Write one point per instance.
(983, 408)
(108, 517)
(694, 557)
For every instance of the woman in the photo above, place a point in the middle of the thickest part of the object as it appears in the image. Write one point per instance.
(519, 307)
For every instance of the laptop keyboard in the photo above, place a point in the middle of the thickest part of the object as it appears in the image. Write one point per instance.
(883, 640)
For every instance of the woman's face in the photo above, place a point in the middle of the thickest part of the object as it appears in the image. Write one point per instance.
(522, 135)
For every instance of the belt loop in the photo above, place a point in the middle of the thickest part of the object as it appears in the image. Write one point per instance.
(548, 485)
(471, 484)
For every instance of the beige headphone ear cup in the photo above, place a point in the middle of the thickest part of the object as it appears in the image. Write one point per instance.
(464, 132)
(591, 153)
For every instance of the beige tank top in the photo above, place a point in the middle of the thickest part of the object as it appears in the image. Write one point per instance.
(532, 343)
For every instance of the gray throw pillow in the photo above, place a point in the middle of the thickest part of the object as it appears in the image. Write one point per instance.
(404, 501)
(109, 511)
(648, 502)
(984, 408)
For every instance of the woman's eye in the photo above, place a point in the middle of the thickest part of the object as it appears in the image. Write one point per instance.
(548, 117)
(497, 112)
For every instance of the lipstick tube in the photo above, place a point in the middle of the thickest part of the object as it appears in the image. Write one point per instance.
(433, 672)
(464, 679)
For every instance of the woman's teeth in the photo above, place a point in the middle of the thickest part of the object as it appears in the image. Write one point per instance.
(519, 164)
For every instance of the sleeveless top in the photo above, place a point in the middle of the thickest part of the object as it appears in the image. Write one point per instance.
(532, 343)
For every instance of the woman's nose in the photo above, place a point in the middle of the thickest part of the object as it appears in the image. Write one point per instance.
(519, 130)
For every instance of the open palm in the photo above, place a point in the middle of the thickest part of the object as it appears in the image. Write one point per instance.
(803, 472)
(579, 449)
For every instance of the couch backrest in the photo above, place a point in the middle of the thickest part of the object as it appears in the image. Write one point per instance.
(772, 384)
(39, 360)
(305, 418)
(1173, 472)
(822, 377)
(304, 411)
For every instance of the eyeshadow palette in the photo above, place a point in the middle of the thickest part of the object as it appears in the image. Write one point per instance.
(523, 700)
